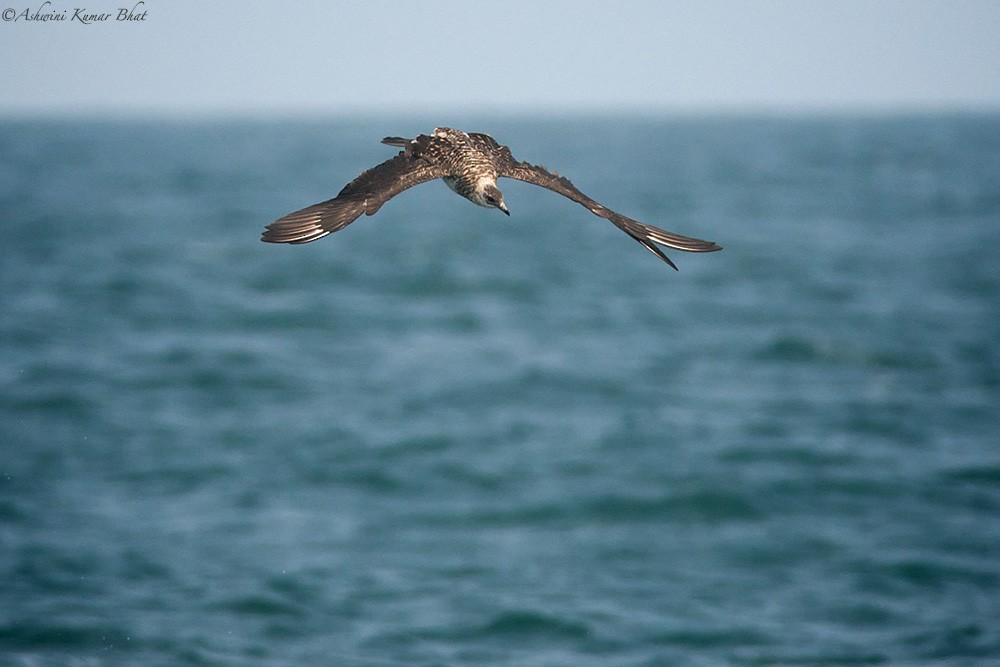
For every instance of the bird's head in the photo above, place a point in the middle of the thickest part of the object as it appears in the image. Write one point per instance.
(492, 197)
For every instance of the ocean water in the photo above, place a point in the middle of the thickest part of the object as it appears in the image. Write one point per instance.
(446, 437)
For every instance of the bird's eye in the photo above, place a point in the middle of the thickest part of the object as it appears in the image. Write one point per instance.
(490, 199)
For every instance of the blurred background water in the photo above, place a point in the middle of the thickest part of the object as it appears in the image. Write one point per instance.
(442, 436)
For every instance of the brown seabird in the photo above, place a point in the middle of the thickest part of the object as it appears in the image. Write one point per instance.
(470, 164)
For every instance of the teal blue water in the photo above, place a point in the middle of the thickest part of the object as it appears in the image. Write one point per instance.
(443, 436)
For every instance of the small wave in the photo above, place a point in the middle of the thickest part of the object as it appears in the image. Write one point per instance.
(693, 507)
(260, 605)
(34, 635)
(524, 624)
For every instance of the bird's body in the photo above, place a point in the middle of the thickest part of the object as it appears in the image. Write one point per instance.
(470, 161)
(470, 164)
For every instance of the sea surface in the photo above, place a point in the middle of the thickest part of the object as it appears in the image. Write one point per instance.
(443, 436)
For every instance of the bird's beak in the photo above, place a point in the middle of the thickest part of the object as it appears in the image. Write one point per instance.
(503, 207)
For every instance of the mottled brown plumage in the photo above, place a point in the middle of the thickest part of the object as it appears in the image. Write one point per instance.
(470, 164)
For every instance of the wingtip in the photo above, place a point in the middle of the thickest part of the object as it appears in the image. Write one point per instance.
(282, 231)
(651, 247)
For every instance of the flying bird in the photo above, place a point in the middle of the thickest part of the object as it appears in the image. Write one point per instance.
(470, 164)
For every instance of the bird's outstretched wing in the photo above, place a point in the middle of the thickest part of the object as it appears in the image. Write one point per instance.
(647, 235)
(365, 194)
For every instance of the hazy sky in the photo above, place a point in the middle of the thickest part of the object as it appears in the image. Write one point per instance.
(313, 56)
